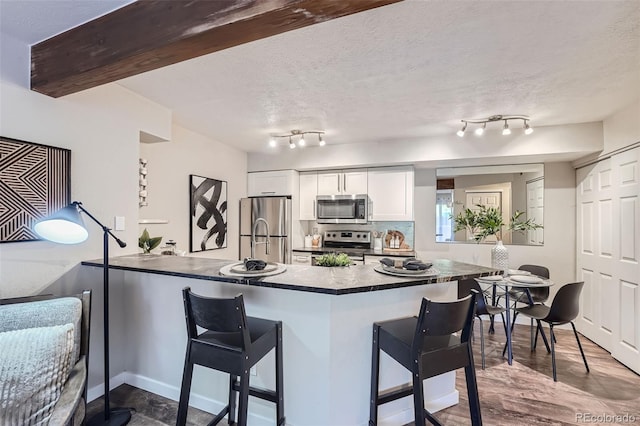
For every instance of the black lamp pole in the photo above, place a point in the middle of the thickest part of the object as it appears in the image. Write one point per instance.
(116, 416)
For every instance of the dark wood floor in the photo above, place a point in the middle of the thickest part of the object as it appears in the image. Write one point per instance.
(521, 394)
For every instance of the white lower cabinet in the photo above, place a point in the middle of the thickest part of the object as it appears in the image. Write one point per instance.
(390, 192)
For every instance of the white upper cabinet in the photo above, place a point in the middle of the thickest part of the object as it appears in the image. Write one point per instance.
(280, 182)
(308, 193)
(342, 182)
(390, 192)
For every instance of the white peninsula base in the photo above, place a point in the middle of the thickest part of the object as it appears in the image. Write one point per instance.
(327, 349)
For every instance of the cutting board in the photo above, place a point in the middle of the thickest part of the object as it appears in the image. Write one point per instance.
(398, 250)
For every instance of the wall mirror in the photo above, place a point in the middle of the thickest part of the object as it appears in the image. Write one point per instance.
(509, 187)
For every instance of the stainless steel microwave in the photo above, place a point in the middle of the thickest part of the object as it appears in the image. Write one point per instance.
(342, 208)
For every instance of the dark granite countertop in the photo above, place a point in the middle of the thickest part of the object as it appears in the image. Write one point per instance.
(367, 252)
(315, 279)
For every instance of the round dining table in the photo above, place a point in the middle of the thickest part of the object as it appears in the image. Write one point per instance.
(519, 281)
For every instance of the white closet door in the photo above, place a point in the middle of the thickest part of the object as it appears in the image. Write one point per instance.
(626, 336)
(595, 251)
(608, 254)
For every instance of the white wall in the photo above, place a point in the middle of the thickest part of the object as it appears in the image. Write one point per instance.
(623, 128)
(169, 166)
(101, 128)
(558, 251)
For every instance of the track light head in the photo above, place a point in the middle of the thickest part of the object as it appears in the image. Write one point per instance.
(527, 129)
(301, 142)
(506, 130)
(480, 130)
(321, 141)
(272, 142)
(461, 131)
(292, 145)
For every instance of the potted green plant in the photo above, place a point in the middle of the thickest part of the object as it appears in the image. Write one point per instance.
(486, 221)
(147, 243)
(333, 259)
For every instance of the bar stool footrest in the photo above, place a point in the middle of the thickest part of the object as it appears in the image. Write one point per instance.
(261, 393)
(394, 393)
(219, 416)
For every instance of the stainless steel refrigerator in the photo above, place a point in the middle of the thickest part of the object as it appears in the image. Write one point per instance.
(276, 212)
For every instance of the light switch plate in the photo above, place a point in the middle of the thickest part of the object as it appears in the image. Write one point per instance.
(118, 223)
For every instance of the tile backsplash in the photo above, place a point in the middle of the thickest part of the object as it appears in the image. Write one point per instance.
(407, 228)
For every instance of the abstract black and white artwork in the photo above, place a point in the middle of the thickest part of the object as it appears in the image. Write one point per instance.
(208, 225)
(35, 181)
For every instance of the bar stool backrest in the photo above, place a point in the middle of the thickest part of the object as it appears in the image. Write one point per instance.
(221, 315)
(566, 304)
(444, 318)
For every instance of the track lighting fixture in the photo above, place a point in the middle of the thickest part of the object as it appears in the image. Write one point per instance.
(505, 129)
(273, 141)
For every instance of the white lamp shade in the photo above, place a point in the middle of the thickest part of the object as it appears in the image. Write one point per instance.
(64, 226)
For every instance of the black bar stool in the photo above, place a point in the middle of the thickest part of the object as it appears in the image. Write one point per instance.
(427, 346)
(233, 343)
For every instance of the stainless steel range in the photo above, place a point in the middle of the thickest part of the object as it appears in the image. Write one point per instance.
(353, 243)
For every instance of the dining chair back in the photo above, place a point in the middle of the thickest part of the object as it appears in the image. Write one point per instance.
(540, 294)
(566, 304)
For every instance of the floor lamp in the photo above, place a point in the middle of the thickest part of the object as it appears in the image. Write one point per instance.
(67, 227)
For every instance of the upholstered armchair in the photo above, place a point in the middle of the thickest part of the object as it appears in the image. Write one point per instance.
(44, 347)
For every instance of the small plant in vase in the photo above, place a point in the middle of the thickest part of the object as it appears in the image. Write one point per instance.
(484, 222)
(147, 243)
(333, 259)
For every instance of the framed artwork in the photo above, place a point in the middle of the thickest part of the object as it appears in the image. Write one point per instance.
(208, 205)
(35, 181)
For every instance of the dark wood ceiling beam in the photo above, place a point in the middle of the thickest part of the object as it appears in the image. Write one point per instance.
(151, 34)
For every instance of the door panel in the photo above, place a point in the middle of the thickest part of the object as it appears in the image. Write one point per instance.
(594, 246)
(626, 258)
(608, 254)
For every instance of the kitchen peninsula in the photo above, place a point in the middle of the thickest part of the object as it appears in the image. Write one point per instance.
(327, 315)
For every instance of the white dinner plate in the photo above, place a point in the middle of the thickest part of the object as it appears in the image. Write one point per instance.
(491, 278)
(518, 272)
(528, 279)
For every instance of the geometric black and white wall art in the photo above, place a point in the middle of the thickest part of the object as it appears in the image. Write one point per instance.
(35, 181)
(208, 207)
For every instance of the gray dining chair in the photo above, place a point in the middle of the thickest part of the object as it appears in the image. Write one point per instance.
(564, 309)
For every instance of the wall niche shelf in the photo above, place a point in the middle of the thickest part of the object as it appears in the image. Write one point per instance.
(152, 221)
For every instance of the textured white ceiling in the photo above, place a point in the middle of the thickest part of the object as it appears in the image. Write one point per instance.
(407, 71)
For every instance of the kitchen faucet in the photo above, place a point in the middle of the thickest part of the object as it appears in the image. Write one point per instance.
(253, 237)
